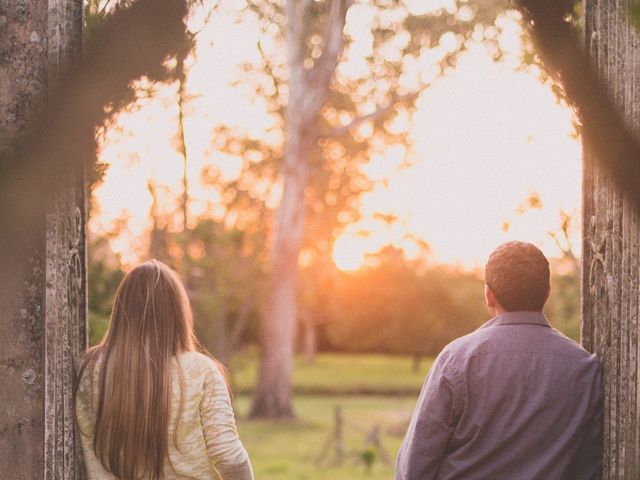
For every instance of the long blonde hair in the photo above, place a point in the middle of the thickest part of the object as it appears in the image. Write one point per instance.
(151, 322)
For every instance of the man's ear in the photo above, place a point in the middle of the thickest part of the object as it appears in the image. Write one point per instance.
(489, 297)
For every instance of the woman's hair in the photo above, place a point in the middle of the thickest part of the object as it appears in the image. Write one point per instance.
(151, 322)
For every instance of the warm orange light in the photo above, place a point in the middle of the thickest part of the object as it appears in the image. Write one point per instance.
(348, 253)
(484, 137)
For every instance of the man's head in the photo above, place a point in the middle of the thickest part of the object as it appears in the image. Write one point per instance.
(517, 278)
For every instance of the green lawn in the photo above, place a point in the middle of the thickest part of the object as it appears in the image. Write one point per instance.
(360, 385)
(289, 450)
(340, 373)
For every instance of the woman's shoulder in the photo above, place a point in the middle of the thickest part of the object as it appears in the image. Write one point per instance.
(89, 366)
(86, 394)
(197, 364)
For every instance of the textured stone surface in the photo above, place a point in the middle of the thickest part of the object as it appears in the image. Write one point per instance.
(611, 246)
(43, 314)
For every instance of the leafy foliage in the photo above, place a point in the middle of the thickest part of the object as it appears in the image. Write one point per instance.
(225, 282)
(401, 306)
(222, 268)
(223, 273)
(133, 43)
(407, 307)
(369, 105)
(563, 306)
(634, 12)
(105, 273)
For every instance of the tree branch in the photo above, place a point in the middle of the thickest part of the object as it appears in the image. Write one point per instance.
(379, 112)
(333, 39)
(295, 12)
(269, 70)
(319, 77)
(205, 22)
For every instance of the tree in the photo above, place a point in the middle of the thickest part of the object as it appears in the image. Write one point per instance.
(402, 306)
(224, 283)
(105, 272)
(331, 119)
(308, 93)
(563, 306)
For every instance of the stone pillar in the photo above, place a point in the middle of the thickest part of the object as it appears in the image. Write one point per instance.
(611, 246)
(42, 314)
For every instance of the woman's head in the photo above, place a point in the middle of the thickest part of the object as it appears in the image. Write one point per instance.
(151, 311)
(150, 323)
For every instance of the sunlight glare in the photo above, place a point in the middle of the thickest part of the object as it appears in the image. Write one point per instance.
(348, 253)
(482, 139)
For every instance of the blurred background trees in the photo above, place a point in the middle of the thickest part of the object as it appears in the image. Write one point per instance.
(330, 121)
(338, 82)
(393, 305)
(400, 306)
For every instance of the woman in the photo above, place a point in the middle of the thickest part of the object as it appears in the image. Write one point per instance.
(149, 404)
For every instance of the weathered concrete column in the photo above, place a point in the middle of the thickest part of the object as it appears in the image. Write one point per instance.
(611, 246)
(42, 316)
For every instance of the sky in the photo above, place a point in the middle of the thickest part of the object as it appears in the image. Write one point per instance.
(486, 136)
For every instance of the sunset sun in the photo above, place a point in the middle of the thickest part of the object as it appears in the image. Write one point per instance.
(348, 253)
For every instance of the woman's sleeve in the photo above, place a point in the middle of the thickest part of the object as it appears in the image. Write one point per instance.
(226, 452)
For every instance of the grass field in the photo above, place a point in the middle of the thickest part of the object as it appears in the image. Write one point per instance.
(340, 373)
(290, 450)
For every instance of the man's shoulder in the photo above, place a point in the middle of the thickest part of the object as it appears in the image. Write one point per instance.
(569, 345)
(469, 342)
(487, 339)
(455, 352)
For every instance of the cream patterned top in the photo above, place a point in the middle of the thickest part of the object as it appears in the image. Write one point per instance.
(207, 436)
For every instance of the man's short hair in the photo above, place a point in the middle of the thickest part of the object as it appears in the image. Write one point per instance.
(518, 275)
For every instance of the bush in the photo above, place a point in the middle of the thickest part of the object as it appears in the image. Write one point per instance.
(403, 307)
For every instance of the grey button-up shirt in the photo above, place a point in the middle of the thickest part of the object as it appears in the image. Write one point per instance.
(514, 400)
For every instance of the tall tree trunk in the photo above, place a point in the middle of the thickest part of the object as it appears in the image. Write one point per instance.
(274, 390)
(310, 338)
(43, 318)
(611, 246)
(308, 91)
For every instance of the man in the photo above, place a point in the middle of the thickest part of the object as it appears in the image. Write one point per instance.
(514, 400)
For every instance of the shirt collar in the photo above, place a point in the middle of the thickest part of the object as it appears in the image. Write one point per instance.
(518, 318)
